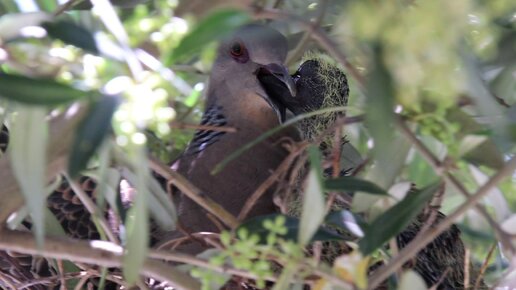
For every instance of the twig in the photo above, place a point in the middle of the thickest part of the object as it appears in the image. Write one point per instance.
(441, 171)
(316, 33)
(92, 209)
(483, 268)
(284, 166)
(467, 256)
(194, 261)
(194, 193)
(61, 9)
(6, 280)
(298, 50)
(88, 252)
(420, 242)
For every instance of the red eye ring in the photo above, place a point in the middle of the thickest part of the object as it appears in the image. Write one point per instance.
(237, 49)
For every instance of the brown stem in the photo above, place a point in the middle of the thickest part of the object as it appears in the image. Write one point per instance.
(87, 252)
(419, 242)
(194, 193)
(284, 166)
(441, 170)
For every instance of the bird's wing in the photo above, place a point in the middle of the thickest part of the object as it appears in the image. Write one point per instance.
(213, 117)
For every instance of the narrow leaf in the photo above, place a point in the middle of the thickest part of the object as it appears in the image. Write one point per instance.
(91, 132)
(72, 33)
(313, 211)
(28, 146)
(37, 91)
(345, 219)
(213, 27)
(395, 219)
(137, 222)
(379, 106)
(352, 184)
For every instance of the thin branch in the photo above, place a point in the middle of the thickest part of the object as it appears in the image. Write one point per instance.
(62, 8)
(441, 170)
(283, 167)
(483, 268)
(91, 253)
(420, 242)
(299, 49)
(194, 193)
(316, 33)
(194, 261)
(92, 209)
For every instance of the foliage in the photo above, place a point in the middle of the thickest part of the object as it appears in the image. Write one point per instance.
(434, 80)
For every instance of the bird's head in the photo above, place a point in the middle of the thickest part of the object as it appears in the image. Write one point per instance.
(320, 84)
(252, 51)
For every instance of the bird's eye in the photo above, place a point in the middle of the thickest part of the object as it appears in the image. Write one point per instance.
(237, 49)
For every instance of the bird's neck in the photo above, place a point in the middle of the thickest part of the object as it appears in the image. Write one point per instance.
(246, 109)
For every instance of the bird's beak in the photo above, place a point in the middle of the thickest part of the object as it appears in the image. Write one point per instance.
(281, 73)
(278, 85)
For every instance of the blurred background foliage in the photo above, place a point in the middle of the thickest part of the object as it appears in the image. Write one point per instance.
(448, 67)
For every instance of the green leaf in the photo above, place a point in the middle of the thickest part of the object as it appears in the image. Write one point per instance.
(71, 33)
(352, 184)
(29, 135)
(384, 172)
(347, 220)
(314, 206)
(211, 28)
(161, 208)
(486, 153)
(411, 280)
(37, 91)
(380, 106)
(91, 132)
(11, 25)
(256, 226)
(137, 222)
(395, 219)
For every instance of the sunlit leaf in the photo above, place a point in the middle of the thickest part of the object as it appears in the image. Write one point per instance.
(345, 219)
(71, 33)
(91, 132)
(395, 219)
(86, 5)
(313, 211)
(255, 226)
(11, 25)
(28, 147)
(352, 184)
(495, 198)
(214, 27)
(353, 268)
(37, 91)
(410, 280)
(160, 206)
